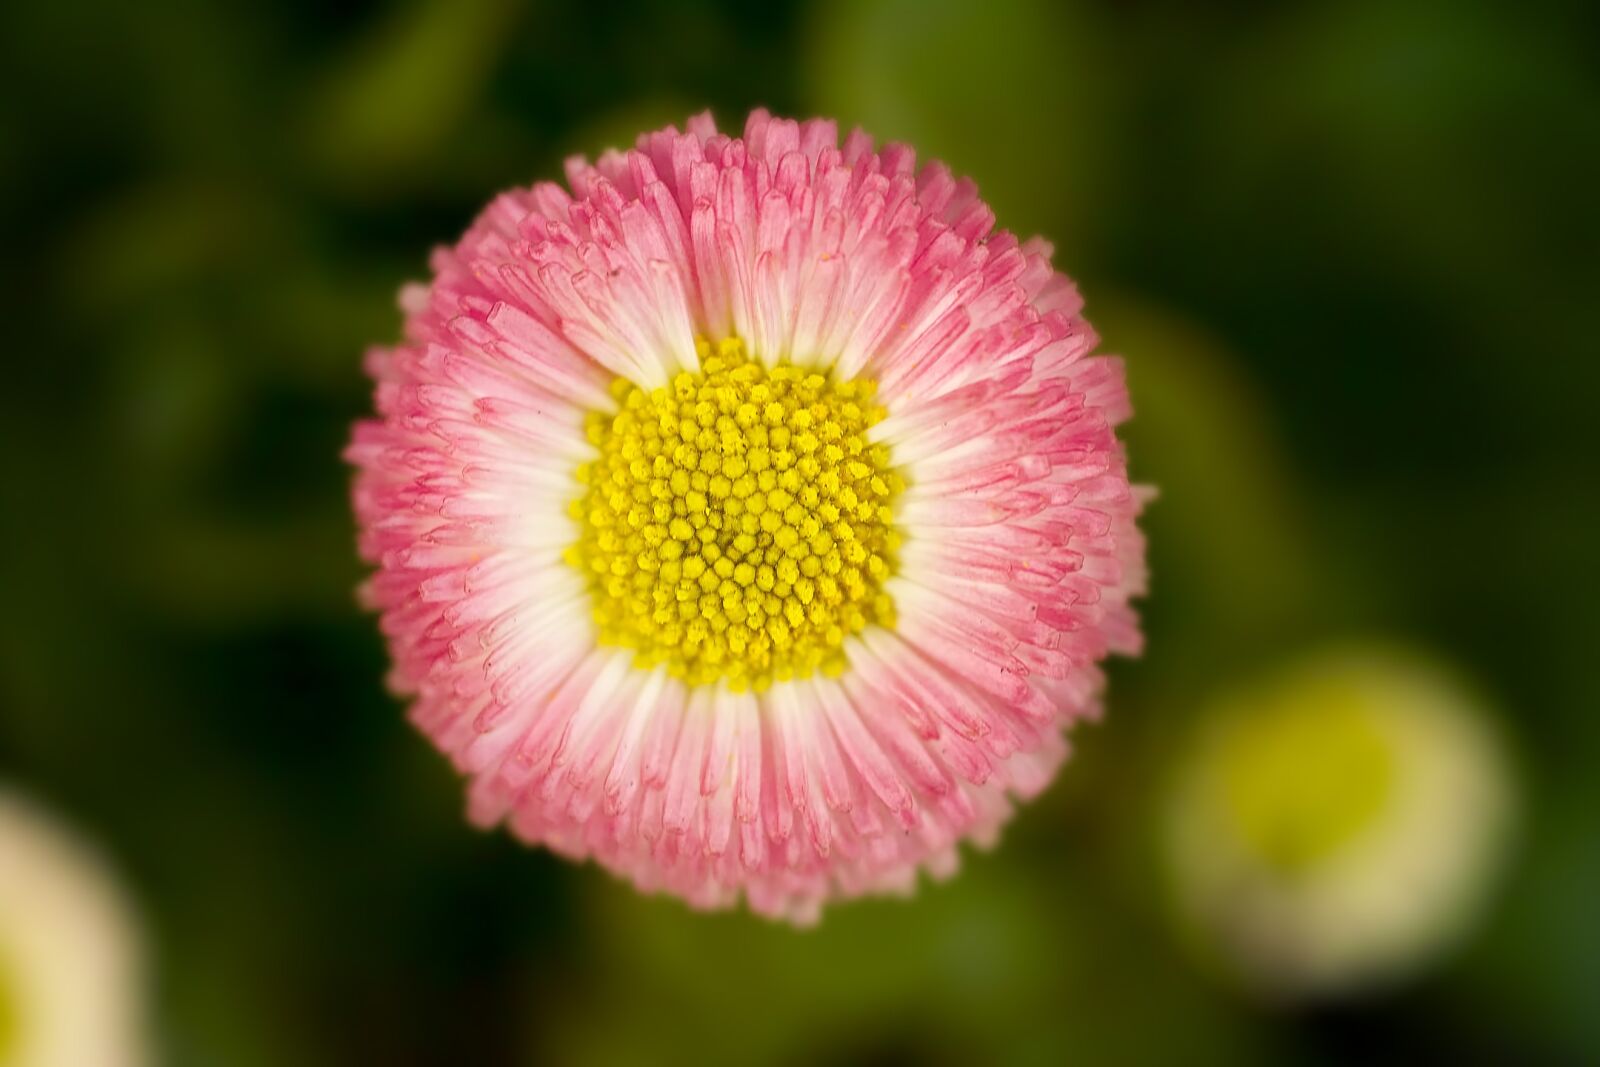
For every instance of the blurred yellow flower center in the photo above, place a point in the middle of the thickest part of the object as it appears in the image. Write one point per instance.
(1307, 776)
(10, 1015)
(738, 525)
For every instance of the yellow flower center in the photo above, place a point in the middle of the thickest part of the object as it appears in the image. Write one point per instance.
(1308, 776)
(738, 525)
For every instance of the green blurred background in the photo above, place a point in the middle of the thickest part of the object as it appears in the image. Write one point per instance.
(1351, 251)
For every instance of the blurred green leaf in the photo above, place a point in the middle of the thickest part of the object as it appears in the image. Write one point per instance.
(1231, 556)
(1019, 94)
(408, 89)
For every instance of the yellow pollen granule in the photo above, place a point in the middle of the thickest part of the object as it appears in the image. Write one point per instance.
(737, 524)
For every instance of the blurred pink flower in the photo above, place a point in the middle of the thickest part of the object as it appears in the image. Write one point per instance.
(750, 516)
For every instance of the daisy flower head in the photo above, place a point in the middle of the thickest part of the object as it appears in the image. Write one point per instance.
(748, 514)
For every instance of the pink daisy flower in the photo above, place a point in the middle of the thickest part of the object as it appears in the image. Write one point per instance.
(748, 514)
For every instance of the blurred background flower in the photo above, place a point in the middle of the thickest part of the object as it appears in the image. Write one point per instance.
(1347, 248)
(72, 984)
(1336, 824)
